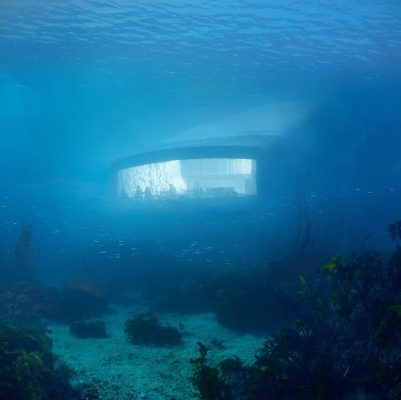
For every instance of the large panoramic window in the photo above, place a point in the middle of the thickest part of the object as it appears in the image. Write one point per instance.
(209, 177)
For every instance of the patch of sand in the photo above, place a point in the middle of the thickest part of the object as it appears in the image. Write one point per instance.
(123, 371)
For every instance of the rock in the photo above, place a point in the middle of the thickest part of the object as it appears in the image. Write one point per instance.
(88, 329)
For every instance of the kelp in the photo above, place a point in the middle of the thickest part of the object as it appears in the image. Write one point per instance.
(206, 379)
(28, 368)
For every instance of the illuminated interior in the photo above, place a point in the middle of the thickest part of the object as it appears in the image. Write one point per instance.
(207, 177)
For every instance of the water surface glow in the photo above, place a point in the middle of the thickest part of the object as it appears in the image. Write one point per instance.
(182, 34)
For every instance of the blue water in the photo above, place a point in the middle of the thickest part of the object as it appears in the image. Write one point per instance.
(83, 83)
(86, 79)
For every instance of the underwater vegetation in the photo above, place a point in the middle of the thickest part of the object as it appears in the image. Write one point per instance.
(145, 329)
(344, 341)
(248, 302)
(25, 257)
(23, 268)
(28, 368)
(24, 298)
(29, 301)
(243, 301)
(208, 380)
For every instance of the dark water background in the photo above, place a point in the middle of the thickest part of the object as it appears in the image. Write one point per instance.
(85, 82)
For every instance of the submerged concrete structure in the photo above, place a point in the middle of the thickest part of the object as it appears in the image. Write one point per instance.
(230, 157)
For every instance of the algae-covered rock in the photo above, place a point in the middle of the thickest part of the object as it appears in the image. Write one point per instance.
(29, 301)
(146, 329)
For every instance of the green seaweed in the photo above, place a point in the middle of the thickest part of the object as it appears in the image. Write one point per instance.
(207, 380)
(28, 368)
(145, 329)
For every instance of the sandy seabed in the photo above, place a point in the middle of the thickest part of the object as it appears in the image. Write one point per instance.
(120, 370)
